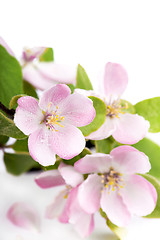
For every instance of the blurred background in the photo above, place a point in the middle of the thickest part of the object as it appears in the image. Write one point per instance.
(92, 33)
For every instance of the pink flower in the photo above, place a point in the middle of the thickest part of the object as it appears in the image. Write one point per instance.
(126, 128)
(66, 206)
(114, 185)
(52, 123)
(44, 75)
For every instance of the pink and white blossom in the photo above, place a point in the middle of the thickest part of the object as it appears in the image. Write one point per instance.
(126, 128)
(52, 123)
(66, 206)
(44, 75)
(114, 185)
(25, 216)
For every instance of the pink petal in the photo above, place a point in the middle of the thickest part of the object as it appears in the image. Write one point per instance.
(115, 79)
(90, 193)
(139, 195)
(29, 54)
(40, 148)
(5, 45)
(28, 115)
(58, 72)
(54, 95)
(112, 204)
(78, 110)
(67, 142)
(130, 160)
(49, 179)
(56, 209)
(131, 128)
(82, 221)
(70, 175)
(24, 216)
(34, 77)
(106, 130)
(97, 162)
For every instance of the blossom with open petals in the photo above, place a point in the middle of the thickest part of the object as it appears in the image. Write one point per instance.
(66, 206)
(126, 128)
(52, 123)
(114, 185)
(44, 75)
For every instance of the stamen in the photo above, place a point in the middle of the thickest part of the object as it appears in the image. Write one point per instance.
(115, 108)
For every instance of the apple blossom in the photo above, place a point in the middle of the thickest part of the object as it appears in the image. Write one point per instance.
(52, 123)
(114, 185)
(44, 75)
(66, 206)
(126, 128)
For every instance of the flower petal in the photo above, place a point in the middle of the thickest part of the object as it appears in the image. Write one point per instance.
(82, 221)
(115, 80)
(29, 54)
(130, 160)
(131, 128)
(54, 95)
(106, 130)
(97, 162)
(40, 148)
(112, 204)
(139, 195)
(78, 110)
(70, 175)
(49, 179)
(5, 45)
(28, 115)
(90, 193)
(60, 73)
(24, 216)
(68, 141)
(34, 77)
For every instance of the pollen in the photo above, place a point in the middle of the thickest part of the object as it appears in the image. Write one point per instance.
(115, 109)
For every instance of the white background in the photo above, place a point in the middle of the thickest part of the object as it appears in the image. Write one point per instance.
(90, 33)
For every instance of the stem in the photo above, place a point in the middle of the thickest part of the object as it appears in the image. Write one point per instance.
(10, 113)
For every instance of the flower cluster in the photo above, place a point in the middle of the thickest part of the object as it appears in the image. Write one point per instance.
(59, 125)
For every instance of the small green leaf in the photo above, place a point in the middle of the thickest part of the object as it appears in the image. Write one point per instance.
(99, 119)
(152, 150)
(21, 145)
(150, 110)
(10, 77)
(19, 163)
(47, 55)
(8, 128)
(119, 231)
(83, 81)
(3, 140)
(29, 89)
(104, 146)
(76, 158)
(156, 184)
(14, 100)
(127, 106)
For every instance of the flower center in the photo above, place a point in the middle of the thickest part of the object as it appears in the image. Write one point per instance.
(115, 108)
(53, 118)
(112, 180)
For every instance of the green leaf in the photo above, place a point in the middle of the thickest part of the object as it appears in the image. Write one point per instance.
(156, 184)
(3, 140)
(47, 56)
(29, 89)
(152, 150)
(83, 81)
(19, 163)
(119, 231)
(72, 87)
(150, 110)
(104, 146)
(8, 128)
(99, 119)
(10, 77)
(21, 145)
(14, 100)
(127, 106)
(75, 159)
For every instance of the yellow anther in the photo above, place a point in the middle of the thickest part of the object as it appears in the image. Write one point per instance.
(106, 186)
(65, 196)
(113, 188)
